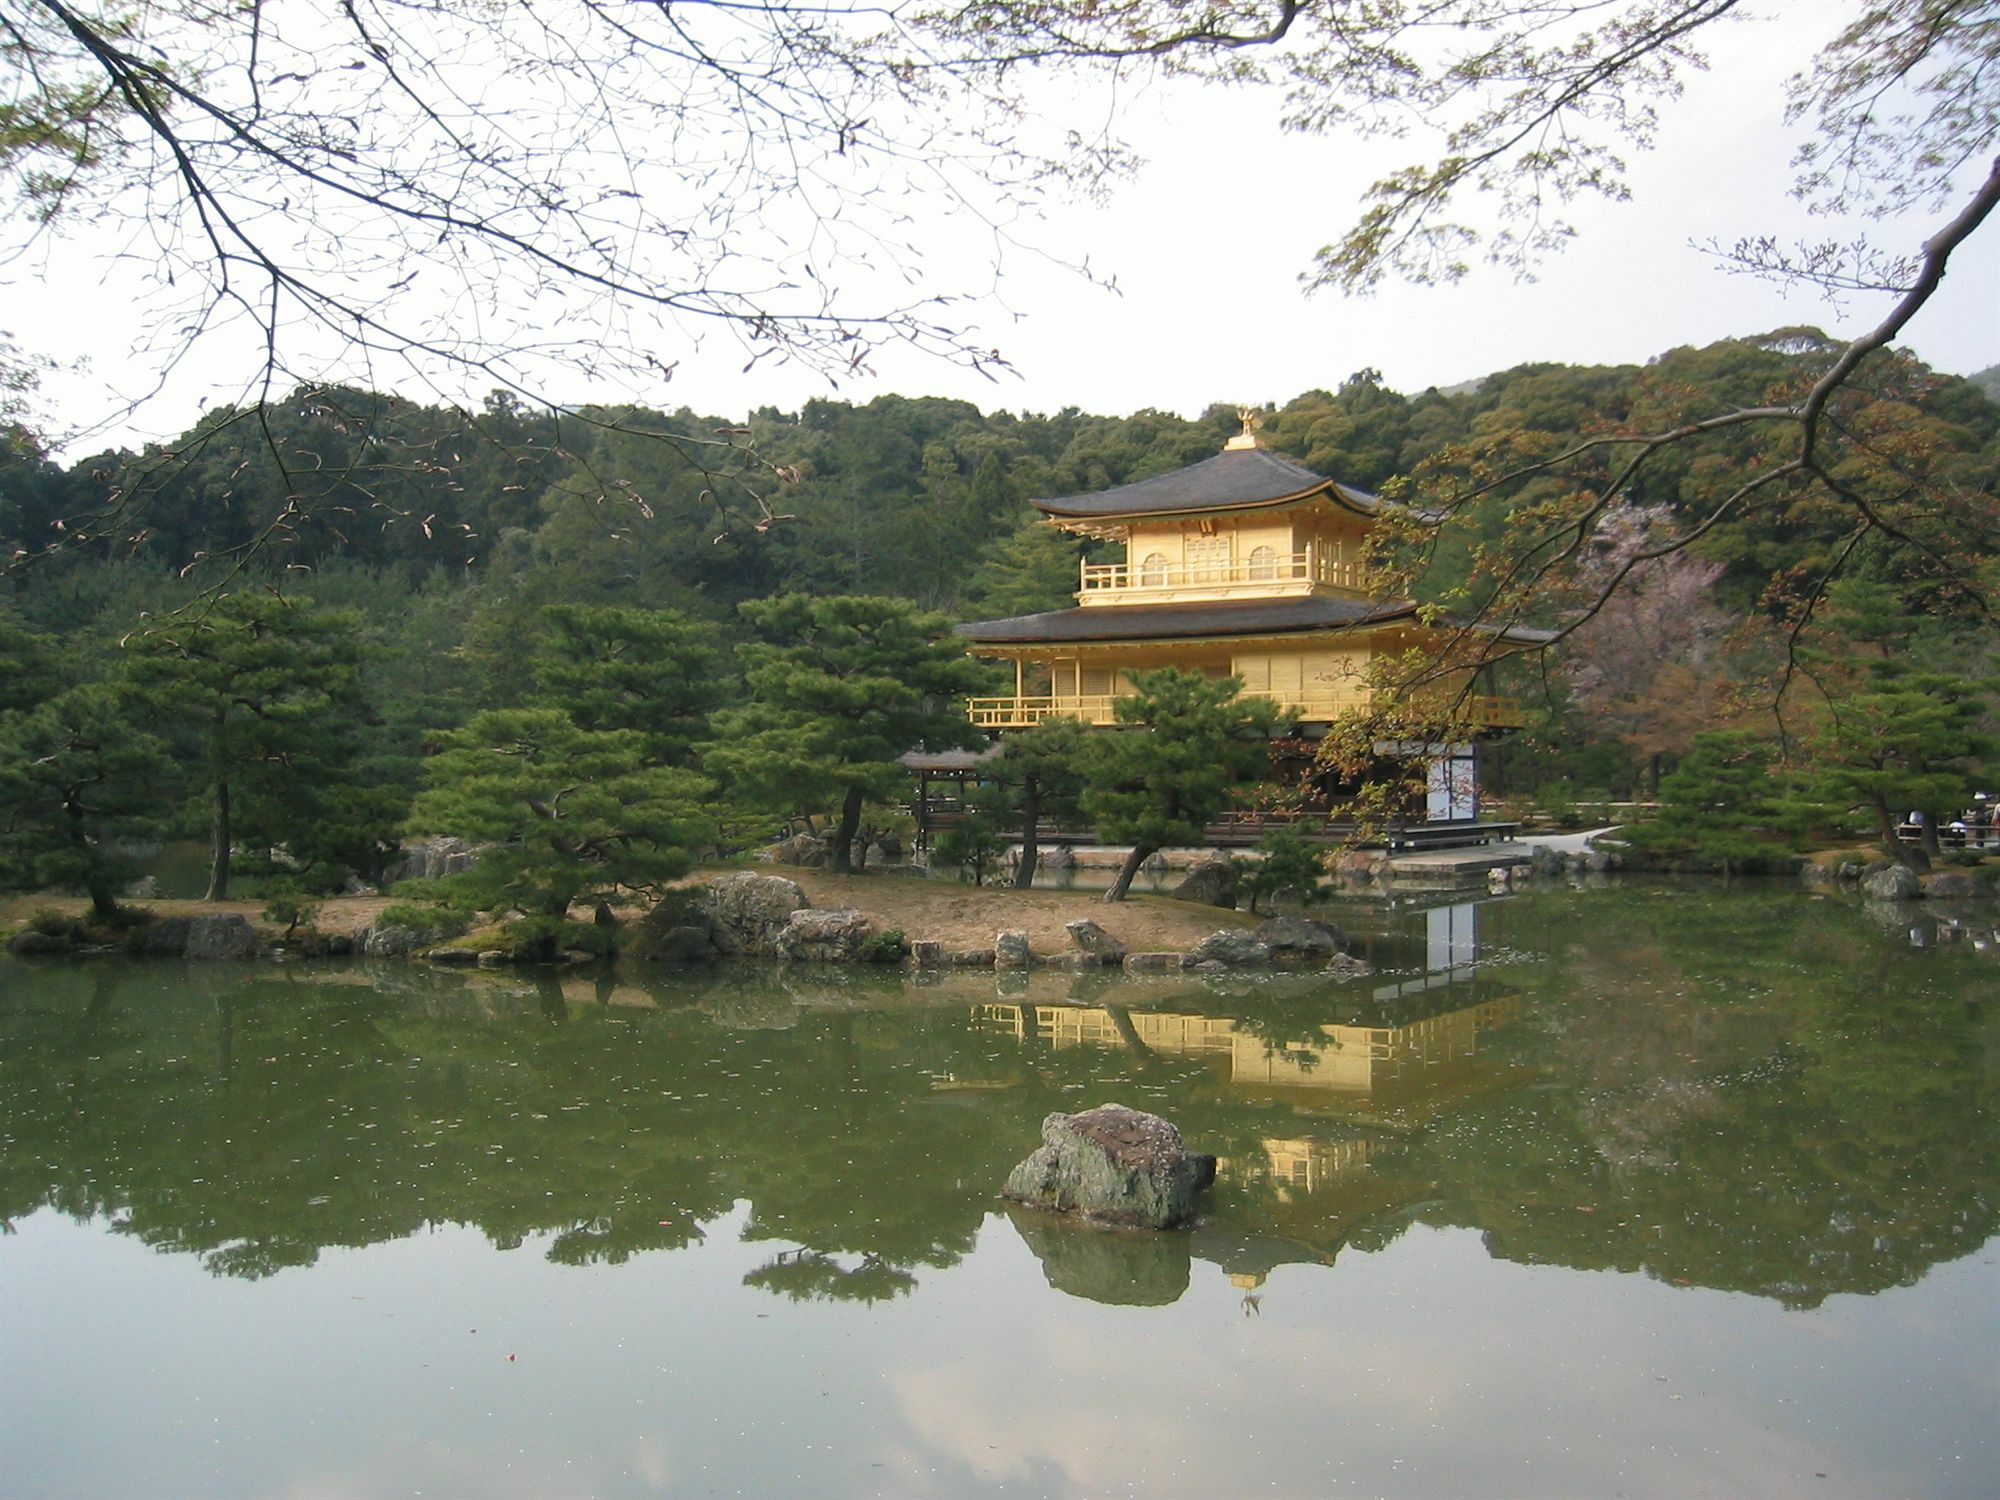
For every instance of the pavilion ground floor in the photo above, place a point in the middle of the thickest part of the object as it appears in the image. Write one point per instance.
(1425, 796)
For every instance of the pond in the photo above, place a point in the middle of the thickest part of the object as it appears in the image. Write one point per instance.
(1649, 1190)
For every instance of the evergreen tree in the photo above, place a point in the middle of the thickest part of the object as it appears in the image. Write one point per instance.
(263, 695)
(649, 671)
(573, 815)
(1289, 864)
(1903, 742)
(1725, 802)
(1033, 567)
(76, 776)
(1901, 725)
(973, 844)
(1190, 745)
(27, 664)
(1039, 773)
(839, 689)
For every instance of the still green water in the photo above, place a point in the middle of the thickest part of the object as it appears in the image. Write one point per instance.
(1645, 1191)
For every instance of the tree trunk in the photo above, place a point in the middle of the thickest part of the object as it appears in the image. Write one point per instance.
(1892, 842)
(1139, 855)
(840, 845)
(103, 896)
(218, 847)
(103, 900)
(1031, 845)
(1933, 850)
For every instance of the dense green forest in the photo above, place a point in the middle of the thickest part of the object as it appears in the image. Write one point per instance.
(308, 601)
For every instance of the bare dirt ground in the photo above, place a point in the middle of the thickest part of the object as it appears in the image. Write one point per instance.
(942, 911)
(966, 916)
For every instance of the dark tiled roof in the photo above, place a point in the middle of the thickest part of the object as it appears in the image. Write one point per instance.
(1151, 622)
(1248, 476)
(948, 760)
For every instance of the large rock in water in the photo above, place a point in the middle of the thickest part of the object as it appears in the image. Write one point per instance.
(834, 936)
(1233, 948)
(747, 911)
(1112, 1165)
(1894, 883)
(1952, 885)
(1289, 936)
(165, 938)
(224, 935)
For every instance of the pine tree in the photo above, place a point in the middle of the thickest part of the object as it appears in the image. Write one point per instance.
(263, 695)
(573, 815)
(839, 689)
(1039, 774)
(1190, 744)
(649, 671)
(1725, 801)
(76, 776)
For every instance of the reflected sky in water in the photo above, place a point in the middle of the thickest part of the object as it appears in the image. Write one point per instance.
(1651, 1191)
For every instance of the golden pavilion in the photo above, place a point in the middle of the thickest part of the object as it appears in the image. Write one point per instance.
(1245, 564)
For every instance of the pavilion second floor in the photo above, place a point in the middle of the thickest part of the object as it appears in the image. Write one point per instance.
(1165, 568)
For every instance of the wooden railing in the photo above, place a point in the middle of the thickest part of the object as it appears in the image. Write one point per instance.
(1024, 712)
(1097, 708)
(1245, 574)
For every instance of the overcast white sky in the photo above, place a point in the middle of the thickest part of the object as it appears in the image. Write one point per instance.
(1206, 249)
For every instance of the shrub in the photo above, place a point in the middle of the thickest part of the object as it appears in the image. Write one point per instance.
(427, 924)
(883, 947)
(973, 846)
(51, 923)
(1289, 864)
(544, 939)
(289, 903)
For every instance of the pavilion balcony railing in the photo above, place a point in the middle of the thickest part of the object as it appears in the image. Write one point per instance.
(1138, 581)
(1024, 712)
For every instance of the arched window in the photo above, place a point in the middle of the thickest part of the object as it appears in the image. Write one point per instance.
(1153, 571)
(1263, 562)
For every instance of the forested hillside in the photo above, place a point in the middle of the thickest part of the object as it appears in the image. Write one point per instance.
(438, 538)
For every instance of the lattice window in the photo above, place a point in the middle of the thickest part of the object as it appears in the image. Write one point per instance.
(1208, 557)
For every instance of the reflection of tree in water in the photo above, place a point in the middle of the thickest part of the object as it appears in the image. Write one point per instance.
(1773, 1100)
(808, 1276)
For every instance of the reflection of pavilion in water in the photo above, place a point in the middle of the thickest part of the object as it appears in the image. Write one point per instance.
(1391, 1059)
(1403, 1037)
(1351, 1058)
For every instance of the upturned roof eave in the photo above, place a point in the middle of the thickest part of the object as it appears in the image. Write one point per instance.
(1097, 630)
(1066, 509)
(1357, 502)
